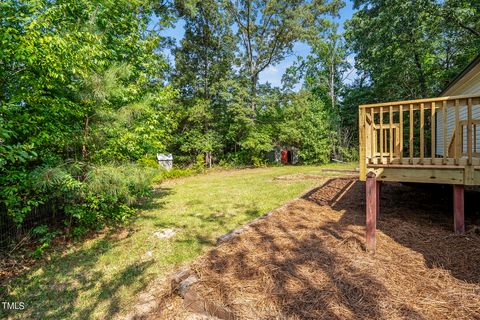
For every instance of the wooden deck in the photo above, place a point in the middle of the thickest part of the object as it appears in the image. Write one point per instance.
(432, 140)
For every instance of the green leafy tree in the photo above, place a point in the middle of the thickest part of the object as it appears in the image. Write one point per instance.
(64, 65)
(303, 120)
(203, 63)
(408, 49)
(324, 71)
(269, 29)
(411, 49)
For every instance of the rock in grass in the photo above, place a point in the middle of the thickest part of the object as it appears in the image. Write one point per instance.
(177, 278)
(165, 233)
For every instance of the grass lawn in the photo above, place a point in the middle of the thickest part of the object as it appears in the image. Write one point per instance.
(100, 278)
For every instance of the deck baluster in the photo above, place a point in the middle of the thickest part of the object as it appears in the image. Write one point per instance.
(373, 141)
(390, 146)
(458, 133)
(381, 135)
(469, 131)
(410, 141)
(400, 131)
(432, 132)
(422, 134)
(444, 129)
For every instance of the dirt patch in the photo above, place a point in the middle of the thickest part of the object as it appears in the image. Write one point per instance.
(306, 260)
(323, 176)
(300, 176)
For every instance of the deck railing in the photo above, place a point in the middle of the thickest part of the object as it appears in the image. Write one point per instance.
(427, 132)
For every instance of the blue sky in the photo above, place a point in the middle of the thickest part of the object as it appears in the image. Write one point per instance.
(273, 74)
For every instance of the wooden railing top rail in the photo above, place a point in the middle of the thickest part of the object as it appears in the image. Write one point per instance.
(416, 101)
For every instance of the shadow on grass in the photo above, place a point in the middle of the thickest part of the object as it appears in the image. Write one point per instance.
(71, 285)
(55, 291)
(157, 201)
(208, 223)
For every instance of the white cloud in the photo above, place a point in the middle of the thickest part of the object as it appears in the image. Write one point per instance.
(271, 70)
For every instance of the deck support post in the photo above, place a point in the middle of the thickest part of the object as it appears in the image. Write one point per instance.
(379, 191)
(458, 208)
(372, 207)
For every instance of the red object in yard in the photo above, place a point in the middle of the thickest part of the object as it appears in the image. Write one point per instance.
(285, 156)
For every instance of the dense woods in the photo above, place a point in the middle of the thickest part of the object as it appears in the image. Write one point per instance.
(88, 96)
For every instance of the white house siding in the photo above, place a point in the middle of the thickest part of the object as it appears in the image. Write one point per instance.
(468, 85)
(451, 127)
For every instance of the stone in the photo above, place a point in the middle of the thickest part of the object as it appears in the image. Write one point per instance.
(185, 284)
(165, 233)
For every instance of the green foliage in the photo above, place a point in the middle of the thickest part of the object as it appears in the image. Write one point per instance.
(106, 194)
(268, 31)
(81, 85)
(177, 173)
(203, 63)
(148, 161)
(407, 50)
(44, 237)
(411, 49)
(87, 97)
(306, 122)
(223, 114)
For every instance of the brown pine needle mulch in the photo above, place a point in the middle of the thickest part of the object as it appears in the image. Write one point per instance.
(307, 261)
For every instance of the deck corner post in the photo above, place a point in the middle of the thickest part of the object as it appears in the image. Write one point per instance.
(379, 192)
(458, 208)
(372, 201)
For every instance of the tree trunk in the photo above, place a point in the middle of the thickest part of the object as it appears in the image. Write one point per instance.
(208, 159)
(254, 80)
(332, 83)
(206, 91)
(421, 75)
(85, 135)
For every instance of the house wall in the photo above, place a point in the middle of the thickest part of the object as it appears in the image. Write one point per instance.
(469, 84)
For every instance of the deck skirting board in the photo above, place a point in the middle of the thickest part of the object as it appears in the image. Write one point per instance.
(441, 175)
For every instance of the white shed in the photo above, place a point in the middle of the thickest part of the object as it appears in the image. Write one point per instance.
(165, 160)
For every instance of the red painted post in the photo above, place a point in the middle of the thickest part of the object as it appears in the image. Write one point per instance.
(458, 209)
(379, 191)
(372, 205)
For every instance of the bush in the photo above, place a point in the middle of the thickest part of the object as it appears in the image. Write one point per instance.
(148, 161)
(101, 195)
(236, 159)
(177, 173)
(109, 192)
(349, 154)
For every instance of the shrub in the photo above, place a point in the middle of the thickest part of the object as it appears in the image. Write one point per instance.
(148, 161)
(102, 194)
(109, 192)
(177, 173)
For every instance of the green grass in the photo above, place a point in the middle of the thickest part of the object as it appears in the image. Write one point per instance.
(99, 278)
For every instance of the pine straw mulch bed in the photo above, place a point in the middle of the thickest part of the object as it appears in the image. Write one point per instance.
(307, 260)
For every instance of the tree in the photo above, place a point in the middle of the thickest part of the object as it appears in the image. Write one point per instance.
(410, 49)
(203, 63)
(58, 80)
(300, 119)
(326, 66)
(324, 71)
(268, 30)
